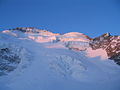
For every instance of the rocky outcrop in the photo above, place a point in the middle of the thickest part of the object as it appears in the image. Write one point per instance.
(8, 60)
(111, 44)
(27, 29)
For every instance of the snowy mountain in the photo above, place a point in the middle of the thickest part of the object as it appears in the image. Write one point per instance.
(109, 43)
(35, 59)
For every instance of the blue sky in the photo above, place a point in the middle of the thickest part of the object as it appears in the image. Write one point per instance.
(92, 17)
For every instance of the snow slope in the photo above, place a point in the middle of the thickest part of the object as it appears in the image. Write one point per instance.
(52, 66)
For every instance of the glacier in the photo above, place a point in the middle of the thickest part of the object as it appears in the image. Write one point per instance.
(51, 61)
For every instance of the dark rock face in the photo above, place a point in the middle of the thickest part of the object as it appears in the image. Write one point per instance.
(8, 60)
(29, 29)
(100, 42)
(111, 44)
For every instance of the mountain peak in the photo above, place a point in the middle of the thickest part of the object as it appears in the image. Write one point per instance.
(72, 40)
(29, 29)
(106, 34)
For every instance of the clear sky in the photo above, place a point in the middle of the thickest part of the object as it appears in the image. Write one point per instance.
(92, 17)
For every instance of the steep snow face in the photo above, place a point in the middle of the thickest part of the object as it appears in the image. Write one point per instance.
(53, 66)
(63, 69)
(11, 54)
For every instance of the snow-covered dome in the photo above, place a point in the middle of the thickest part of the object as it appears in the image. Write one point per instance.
(74, 36)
